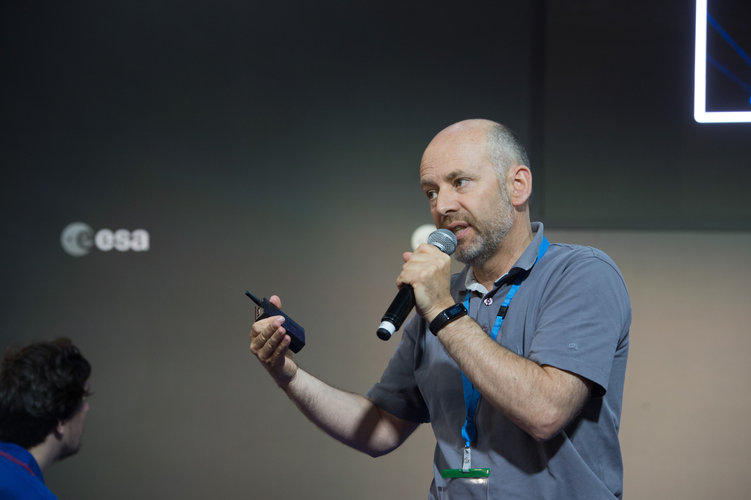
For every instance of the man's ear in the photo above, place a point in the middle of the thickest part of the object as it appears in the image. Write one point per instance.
(59, 429)
(519, 185)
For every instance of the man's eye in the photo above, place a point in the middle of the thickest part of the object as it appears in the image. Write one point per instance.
(431, 194)
(460, 182)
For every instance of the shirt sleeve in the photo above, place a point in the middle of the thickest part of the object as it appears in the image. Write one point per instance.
(397, 392)
(584, 316)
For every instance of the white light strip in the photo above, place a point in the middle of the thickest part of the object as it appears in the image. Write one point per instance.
(701, 114)
(700, 62)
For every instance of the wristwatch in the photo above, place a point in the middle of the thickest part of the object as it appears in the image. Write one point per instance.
(447, 316)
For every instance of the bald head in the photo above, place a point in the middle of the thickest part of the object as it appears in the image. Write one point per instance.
(501, 146)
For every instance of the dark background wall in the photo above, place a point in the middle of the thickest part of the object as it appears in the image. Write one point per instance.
(621, 147)
(274, 146)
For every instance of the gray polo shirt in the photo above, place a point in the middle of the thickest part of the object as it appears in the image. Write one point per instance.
(572, 312)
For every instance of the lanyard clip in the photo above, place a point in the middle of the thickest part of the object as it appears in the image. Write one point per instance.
(467, 459)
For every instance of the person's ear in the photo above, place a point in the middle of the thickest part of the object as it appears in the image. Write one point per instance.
(59, 429)
(519, 185)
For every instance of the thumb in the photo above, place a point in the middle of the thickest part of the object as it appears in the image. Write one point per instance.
(274, 299)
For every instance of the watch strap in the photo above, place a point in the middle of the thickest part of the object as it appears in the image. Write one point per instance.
(447, 316)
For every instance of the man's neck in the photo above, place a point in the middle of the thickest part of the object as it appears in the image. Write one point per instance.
(44, 453)
(511, 248)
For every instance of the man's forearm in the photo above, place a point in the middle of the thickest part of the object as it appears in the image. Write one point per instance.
(539, 399)
(350, 418)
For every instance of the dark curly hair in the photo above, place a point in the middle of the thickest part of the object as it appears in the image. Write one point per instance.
(41, 384)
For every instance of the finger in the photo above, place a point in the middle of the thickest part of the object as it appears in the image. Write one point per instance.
(281, 350)
(273, 348)
(258, 327)
(274, 299)
(271, 323)
(272, 342)
(263, 330)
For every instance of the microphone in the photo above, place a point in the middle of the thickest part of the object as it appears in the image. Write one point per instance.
(445, 241)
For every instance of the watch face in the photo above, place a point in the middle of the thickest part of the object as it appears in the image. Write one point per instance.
(454, 310)
(446, 316)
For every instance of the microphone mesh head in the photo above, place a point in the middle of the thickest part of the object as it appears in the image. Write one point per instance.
(444, 240)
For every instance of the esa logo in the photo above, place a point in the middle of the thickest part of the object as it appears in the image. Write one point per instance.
(78, 239)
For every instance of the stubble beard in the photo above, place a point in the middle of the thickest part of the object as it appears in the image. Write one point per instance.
(69, 450)
(488, 234)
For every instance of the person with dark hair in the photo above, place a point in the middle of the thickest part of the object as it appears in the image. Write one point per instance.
(524, 396)
(43, 405)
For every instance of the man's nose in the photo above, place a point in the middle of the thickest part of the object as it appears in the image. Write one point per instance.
(446, 202)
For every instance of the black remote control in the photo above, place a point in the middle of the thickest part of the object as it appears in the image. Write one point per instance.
(295, 331)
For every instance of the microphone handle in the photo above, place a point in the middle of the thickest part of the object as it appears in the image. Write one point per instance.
(445, 241)
(397, 312)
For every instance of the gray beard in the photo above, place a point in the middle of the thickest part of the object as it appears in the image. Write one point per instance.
(483, 248)
(488, 236)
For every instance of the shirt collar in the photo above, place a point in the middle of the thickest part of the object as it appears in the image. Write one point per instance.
(523, 263)
(22, 455)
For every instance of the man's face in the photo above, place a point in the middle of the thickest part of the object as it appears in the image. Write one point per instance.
(466, 195)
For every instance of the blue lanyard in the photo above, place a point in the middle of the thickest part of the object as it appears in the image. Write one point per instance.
(472, 395)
